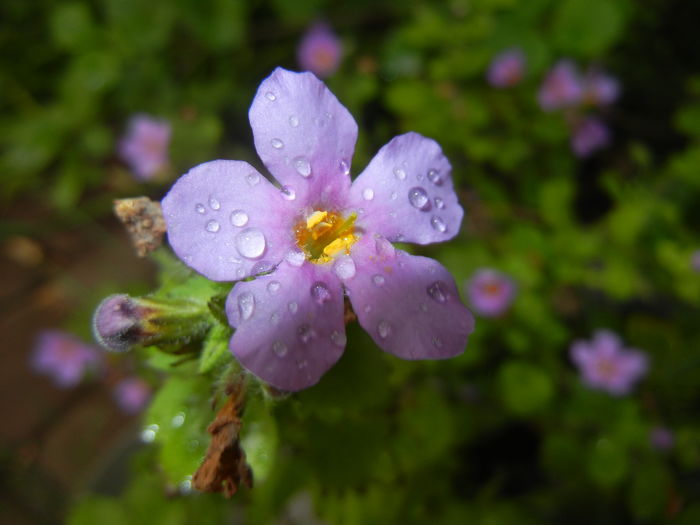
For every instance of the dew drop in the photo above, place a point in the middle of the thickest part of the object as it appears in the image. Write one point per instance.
(435, 177)
(438, 292)
(305, 333)
(418, 198)
(178, 420)
(378, 280)
(246, 305)
(439, 203)
(213, 226)
(293, 307)
(384, 247)
(270, 96)
(277, 143)
(148, 434)
(252, 179)
(420, 177)
(438, 224)
(367, 309)
(394, 195)
(261, 267)
(302, 364)
(250, 243)
(293, 121)
(239, 218)
(273, 287)
(200, 208)
(437, 342)
(345, 268)
(320, 292)
(288, 193)
(384, 329)
(185, 485)
(279, 348)
(338, 338)
(344, 167)
(214, 204)
(274, 318)
(400, 174)
(303, 167)
(295, 258)
(423, 307)
(368, 194)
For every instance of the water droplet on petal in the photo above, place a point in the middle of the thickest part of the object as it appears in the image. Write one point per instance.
(277, 143)
(200, 208)
(270, 96)
(438, 224)
(302, 165)
(423, 307)
(274, 318)
(261, 267)
(345, 268)
(384, 247)
(320, 292)
(437, 342)
(439, 203)
(279, 348)
(288, 193)
(293, 307)
(213, 226)
(419, 177)
(435, 177)
(384, 329)
(368, 194)
(214, 204)
(394, 195)
(239, 218)
(178, 420)
(338, 338)
(148, 434)
(438, 291)
(293, 121)
(305, 333)
(252, 179)
(418, 198)
(400, 174)
(302, 364)
(246, 305)
(295, 258)
(378, 280)
(250, 243)
(344, 167)
(273, 287)
(367, 309)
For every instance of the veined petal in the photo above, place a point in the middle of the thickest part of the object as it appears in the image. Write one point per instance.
(226, 221)
(406, 192)
(408, 304)
(305, 137)
(289, 325)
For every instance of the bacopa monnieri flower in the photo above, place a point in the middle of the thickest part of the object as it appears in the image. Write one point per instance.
(132, 394)
(490, 292)
(320, 51)
(599, 88)
(561, 87)
(319, 237)
(507, 69)
(588, 136)
(64, 357)
(605, 365)
(144, 147)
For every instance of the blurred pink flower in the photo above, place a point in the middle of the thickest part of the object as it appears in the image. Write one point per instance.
(588, 136)
(661, 438)
(132, 394)
(600, 89)
(605, 365)
(561, 87)
(144, 147)
(64, 357)
(490, 292)
(507, 68)
(320, 51)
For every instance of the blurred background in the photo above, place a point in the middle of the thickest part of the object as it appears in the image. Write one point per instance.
(573, 128)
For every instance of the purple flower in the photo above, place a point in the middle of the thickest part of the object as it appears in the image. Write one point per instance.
(588, 136)
(695, 261)
(605, 365)
(132, 394)
(490, 292)
(320, 51)
(145, 146)
(507, 69)
(321, 237)
(661, 438)
(600, 89)
(561, 87)
(64, 357)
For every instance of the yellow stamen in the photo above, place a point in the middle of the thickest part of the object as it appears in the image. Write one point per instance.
(325, 234)
(315, 218)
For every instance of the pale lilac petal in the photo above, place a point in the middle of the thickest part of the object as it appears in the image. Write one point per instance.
(64, 357)
(305, 137)
(144, 147)
(227, 221)
(289, 324)
(132, 394)
(491, 292)
(607, 343)
(408, 304)
(320, 51)
(406, 192)
(599, 88)
(561, 87)
(507, 69)
(588, 136)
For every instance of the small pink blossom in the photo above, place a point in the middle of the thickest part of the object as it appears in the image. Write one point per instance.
(661, 438)
(144, 147)
(491, 292)
(320, 51)
(132, 395)
(599, 88)
(64, 358)
(561, 87)
(588, 136)
(507, 69)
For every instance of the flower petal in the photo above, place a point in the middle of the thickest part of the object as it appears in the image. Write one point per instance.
(305, 137)
(408, 304)
(227, 221)
(406, 192)
(289, 325)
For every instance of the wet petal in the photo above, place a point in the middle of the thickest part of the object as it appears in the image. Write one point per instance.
(406, 192)
(408, 304)
(227, 221)
(289, 325)
(305, 137)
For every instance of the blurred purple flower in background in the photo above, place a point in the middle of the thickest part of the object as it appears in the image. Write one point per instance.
(588, 135)
(695, 261)
(490, 292)
(144, 147)
(322, 237)
(605, 365)
(507, 68)
(661, 438)
(561, 87)
(132, 394)
(64, 357)
(599, 88)
(320, 50)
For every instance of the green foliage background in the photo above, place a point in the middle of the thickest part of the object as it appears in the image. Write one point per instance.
(504, 433)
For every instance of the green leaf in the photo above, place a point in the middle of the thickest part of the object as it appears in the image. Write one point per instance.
(587, 27)
(525, 389)
(215, 351)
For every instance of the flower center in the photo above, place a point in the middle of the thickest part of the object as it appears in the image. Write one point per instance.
(323, 234)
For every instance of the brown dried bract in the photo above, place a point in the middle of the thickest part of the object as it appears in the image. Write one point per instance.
(143, 219)
(224, 468)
